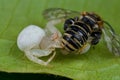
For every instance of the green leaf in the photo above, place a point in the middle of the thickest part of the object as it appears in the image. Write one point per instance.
(96, 64)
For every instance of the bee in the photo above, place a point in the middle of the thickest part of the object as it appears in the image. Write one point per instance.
(83, 29)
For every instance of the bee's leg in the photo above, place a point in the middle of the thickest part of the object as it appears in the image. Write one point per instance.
(35, 54)
(96, 37)
(50, 26)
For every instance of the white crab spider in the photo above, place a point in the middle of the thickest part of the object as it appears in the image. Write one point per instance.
(36, 42)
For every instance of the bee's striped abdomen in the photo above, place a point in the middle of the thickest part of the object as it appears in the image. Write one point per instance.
(75, 36)
(85, 26)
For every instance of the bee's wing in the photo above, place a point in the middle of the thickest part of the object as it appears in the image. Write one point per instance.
(59, 13)
(111, 38)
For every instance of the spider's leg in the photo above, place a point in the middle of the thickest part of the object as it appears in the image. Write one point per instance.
(35, 54)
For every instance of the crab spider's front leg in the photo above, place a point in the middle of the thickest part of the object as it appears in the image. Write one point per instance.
(50, 26)
(53, 36)
(35, 54)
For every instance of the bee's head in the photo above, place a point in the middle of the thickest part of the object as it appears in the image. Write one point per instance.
(93, 17)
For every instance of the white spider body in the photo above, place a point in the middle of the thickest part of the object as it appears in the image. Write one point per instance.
(36, 42)
(31, 36)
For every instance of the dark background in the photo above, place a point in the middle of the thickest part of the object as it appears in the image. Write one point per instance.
(30, 76)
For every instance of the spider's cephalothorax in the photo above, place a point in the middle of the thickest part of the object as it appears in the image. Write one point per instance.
(82, 30)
